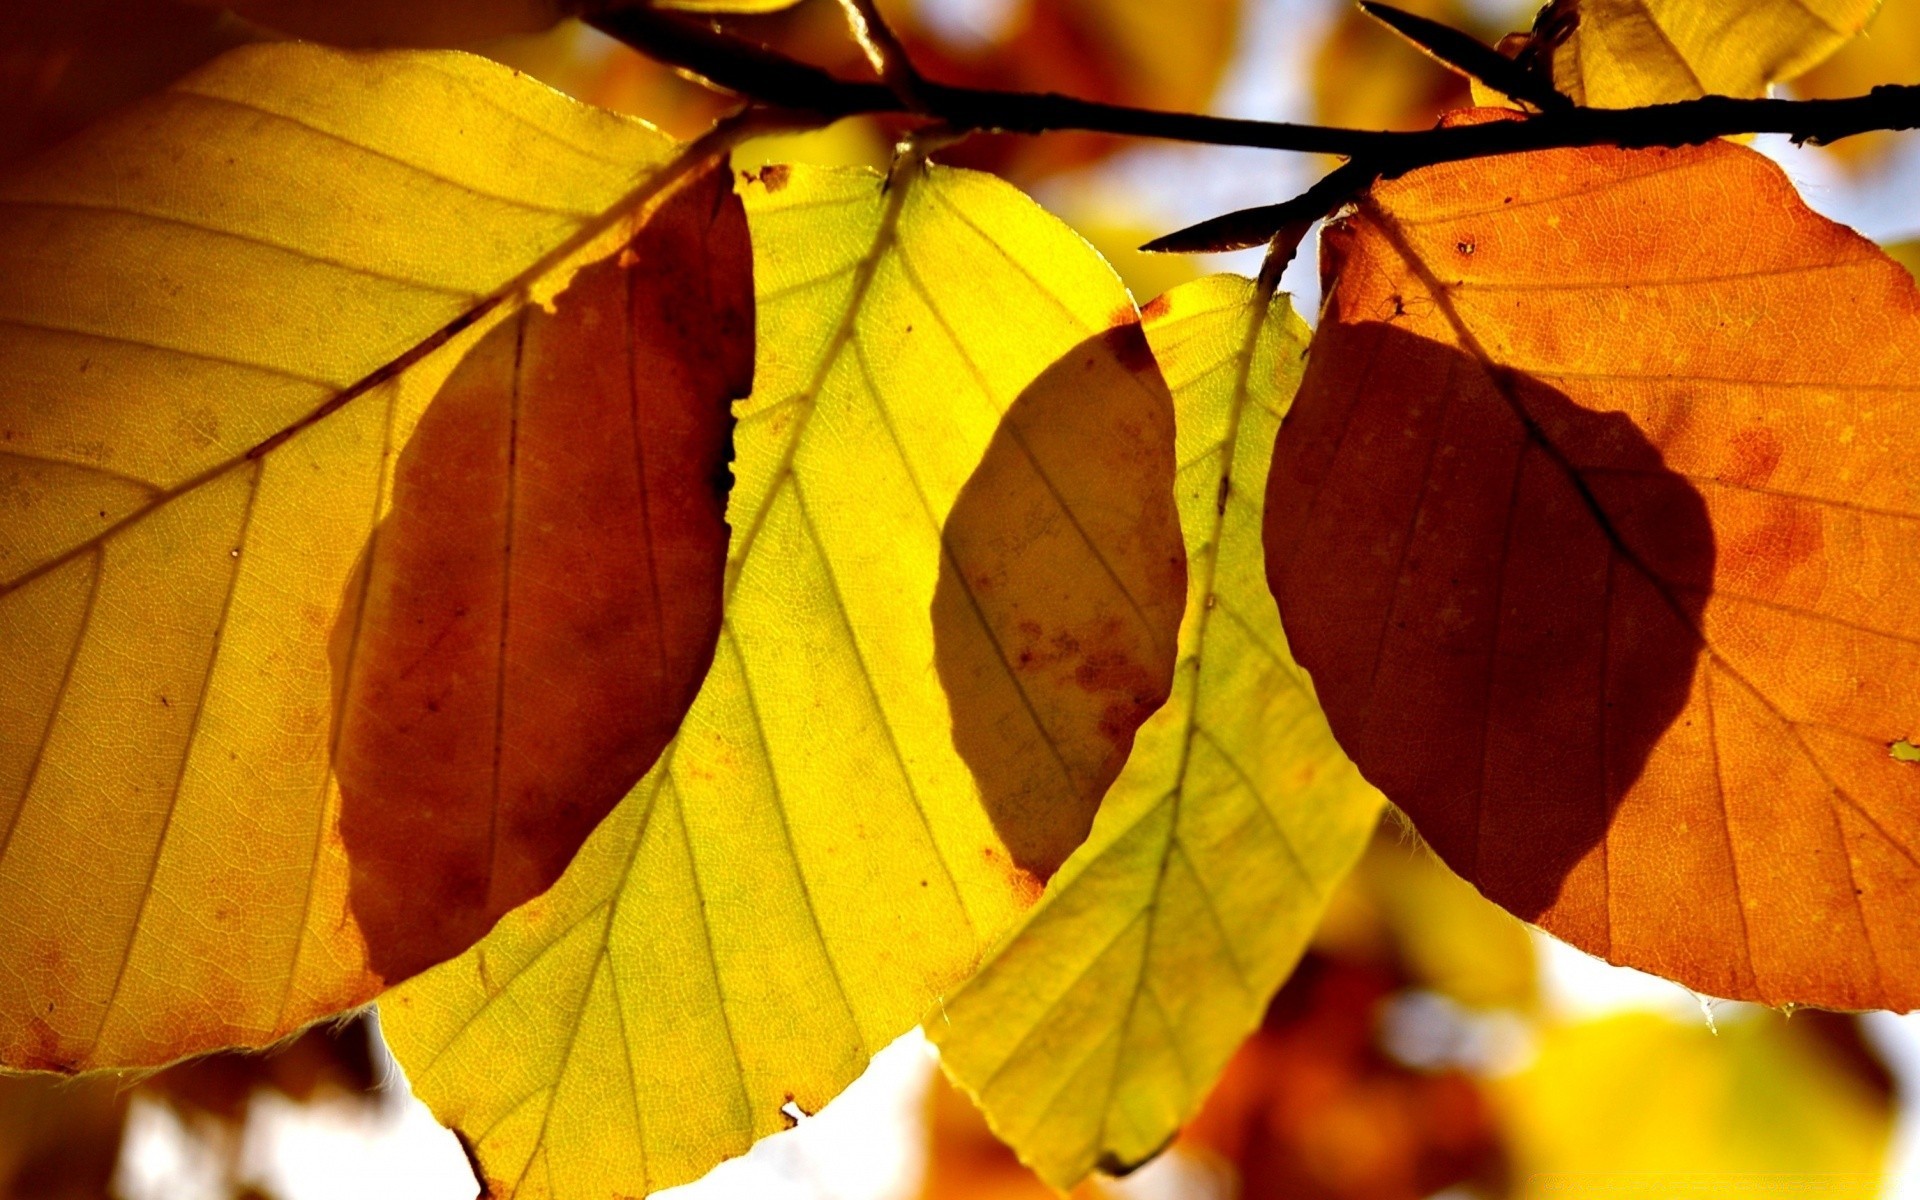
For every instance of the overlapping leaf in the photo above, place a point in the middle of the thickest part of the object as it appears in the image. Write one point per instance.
(1623, 53)
(221, 314)
(810, 866)
(537, 607)
(1099, 1026)
(1593, 522)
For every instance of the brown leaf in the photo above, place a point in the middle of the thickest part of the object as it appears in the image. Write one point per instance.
(1594, 524)
(534, 616)
(1061, 592)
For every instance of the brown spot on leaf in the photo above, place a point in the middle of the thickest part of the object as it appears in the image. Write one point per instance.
(1753, 454)
(773, 177)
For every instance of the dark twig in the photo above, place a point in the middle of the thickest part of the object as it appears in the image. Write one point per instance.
(740, 66)
(1469, 56)
(888, 57)
(1257, 226)
(762, 76)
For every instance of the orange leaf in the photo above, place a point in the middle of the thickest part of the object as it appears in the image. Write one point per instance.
(542, 602)
(1594, 522)
(1061, 591)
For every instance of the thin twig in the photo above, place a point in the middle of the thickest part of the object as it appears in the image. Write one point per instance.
(883, 50)
(1251, 227)
(753, 71)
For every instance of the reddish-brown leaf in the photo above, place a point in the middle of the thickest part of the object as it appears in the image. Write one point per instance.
(536, 613)
(1594, 522)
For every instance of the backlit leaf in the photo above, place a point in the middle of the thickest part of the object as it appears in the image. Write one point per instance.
(532, 617)
(810, 866)
(221, 315)
(727, 6)
(1593, 522)
(1663, 1107)
(1099, 1026)
(1629, 52)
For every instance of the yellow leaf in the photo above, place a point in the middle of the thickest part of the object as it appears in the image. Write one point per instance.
(1402, 902)
(809, 867)
(220, 315)
(1907, 254)
(1643, 1103)
(727, 6)
(1098, 1027)
(1630, 52)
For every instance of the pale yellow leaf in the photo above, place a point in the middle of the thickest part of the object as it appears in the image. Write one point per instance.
(1098, 1027)
(1625, 53)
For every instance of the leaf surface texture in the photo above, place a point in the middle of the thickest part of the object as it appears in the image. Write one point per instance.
(1594, 524)
(1098, 1027)
(809, 866)
(1625, 53)
(222, 313)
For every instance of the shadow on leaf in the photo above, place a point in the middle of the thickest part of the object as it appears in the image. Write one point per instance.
(1498, 594)
(534, 616)
(1060, 593)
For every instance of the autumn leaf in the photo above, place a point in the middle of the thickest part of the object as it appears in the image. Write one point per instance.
(1592, 524)
(1097, 1027)
(1762, 1101)
(727, 6)
(205, 370)
(1624, 53)
(1402, 905)
(810, 865)
(1060, 593)
(532, 617)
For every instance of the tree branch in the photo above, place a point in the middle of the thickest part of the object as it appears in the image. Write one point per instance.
(884, 52)
(736, 65)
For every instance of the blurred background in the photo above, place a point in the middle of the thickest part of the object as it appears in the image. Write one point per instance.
(1429, 1045)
